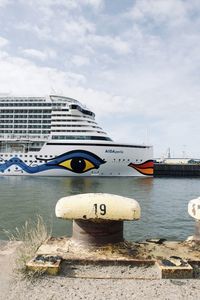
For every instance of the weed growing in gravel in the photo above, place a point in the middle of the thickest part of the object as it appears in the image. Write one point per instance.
(32, 235)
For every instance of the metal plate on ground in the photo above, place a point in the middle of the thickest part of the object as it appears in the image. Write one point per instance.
(170, 270)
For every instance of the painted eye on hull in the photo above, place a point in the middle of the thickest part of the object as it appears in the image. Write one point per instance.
(77, 161)
(78, 165)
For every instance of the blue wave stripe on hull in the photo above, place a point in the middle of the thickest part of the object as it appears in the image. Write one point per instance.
(53, 163)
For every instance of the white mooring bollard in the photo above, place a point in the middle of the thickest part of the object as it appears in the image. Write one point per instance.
(194, 211)
(97, 217)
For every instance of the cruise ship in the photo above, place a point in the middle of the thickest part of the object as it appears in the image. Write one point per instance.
(58, 136)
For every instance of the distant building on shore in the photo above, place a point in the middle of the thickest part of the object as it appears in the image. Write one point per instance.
(177, 161)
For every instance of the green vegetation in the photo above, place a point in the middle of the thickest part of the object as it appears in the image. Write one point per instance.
(31, 235)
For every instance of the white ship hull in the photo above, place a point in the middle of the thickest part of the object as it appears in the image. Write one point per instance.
(80, 160)
(58, 136)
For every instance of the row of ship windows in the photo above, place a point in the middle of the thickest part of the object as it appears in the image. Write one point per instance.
(80, 137)
(25, 121)
(77, 131)
(23, 111)
(46, 122)
(44, 131)
(25, 131)
(51, 156)
(11, 122)
(20, 116)
(63, 125)
(76, 116)
(72, 120)
(41, 117)
(119, 160)
(60, 109)
(21, 104)
(33, 111)
(26, 155)
(26, 126)
(27, 161)
(35, 116)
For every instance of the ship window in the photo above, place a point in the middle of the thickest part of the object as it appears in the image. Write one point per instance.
(73, 106)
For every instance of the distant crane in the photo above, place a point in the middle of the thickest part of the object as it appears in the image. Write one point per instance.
(168, 153)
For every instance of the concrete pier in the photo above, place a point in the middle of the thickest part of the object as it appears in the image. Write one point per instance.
(97, 242)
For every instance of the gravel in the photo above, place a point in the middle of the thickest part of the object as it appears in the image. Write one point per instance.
(76, 288)
(13, 286)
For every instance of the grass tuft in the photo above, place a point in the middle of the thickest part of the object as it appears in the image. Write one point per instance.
(32, 234)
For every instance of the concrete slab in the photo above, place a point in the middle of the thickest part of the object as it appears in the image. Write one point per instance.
(128, 254)
(45, 264)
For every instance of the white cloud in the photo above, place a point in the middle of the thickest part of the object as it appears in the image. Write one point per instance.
(4, 3)
(109, 42)
(3, 42)
(159, 10)
(97, 4)
(21, 76)
(41, 55)
(35, 53)
(68, 4)
(77, 27)
(80, 61)
(74, 31)
(79, 32)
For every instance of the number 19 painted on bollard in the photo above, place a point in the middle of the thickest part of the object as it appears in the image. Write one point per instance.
(101, 208)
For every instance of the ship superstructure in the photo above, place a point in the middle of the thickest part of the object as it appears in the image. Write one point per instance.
(58, 136)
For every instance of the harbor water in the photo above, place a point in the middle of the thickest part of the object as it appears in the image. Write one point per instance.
(163, 203)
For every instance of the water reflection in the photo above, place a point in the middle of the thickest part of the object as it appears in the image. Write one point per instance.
(163, 202)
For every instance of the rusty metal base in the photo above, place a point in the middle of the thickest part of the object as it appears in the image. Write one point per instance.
(99, 233)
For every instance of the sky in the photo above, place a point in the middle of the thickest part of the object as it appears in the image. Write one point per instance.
(135, 63)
